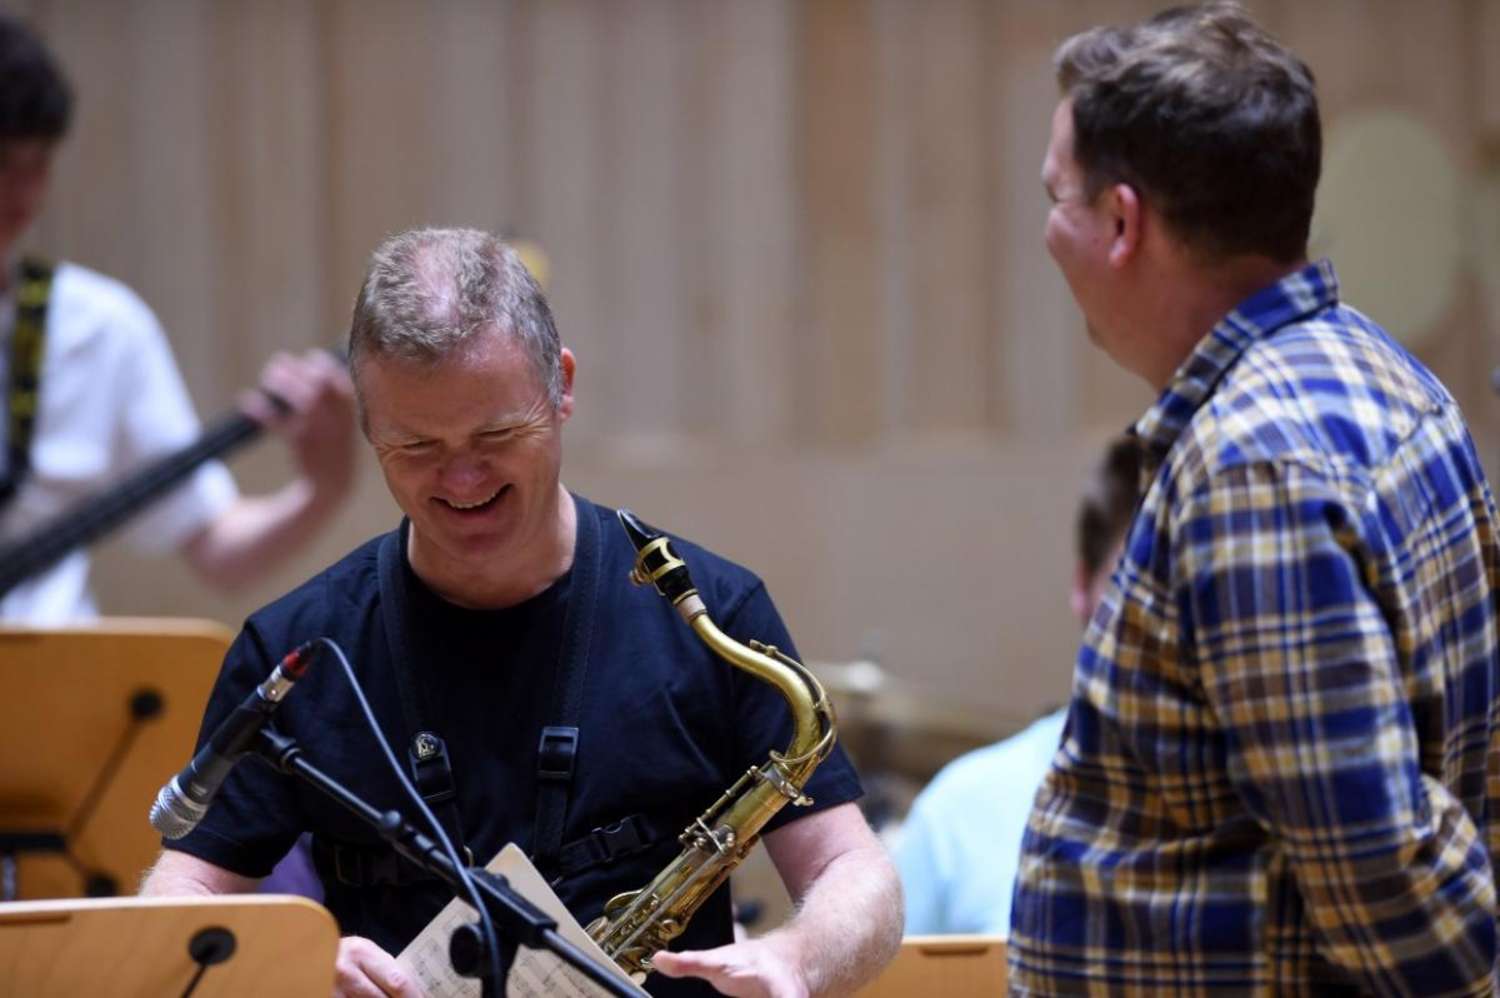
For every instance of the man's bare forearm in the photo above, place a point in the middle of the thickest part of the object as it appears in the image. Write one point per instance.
(848, 926)
(176, 874)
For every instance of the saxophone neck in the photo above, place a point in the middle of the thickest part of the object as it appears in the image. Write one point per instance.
(658, 565)
(813, 723)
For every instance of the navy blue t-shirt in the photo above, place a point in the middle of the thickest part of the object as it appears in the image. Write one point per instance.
(665, 727)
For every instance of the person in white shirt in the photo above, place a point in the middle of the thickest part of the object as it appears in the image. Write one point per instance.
(109, 396)
(960, 844)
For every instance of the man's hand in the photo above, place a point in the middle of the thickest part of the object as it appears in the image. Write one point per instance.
(756, 968)
(848, 921)
(364, 970)
(318, 419)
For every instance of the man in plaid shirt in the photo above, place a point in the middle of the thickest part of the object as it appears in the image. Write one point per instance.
(1280, 772)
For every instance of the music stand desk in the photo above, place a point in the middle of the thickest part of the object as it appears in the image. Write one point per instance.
(69, 743)
(139, 947)
(951, 966)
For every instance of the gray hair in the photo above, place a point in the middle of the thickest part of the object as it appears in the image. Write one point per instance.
(428, 292)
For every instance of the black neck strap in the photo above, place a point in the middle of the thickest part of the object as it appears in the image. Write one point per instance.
(395, 604)
(426, 751)
(557, 750)
(27, 343)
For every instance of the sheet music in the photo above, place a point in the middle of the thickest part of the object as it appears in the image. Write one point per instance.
(535, 974)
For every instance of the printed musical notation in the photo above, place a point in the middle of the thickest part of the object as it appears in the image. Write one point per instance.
(534, 974)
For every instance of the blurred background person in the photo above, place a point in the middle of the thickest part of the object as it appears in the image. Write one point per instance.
(958, 849)
(101, 395)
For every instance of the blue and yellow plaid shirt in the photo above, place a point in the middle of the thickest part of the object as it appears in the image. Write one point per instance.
(1280, 771)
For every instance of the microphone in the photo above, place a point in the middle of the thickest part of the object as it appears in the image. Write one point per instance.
(184, 801)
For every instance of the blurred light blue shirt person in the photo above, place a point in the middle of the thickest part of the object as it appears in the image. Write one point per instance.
(961, 843)
(958, 851)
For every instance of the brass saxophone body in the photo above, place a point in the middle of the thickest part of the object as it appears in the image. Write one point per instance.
(636, 924)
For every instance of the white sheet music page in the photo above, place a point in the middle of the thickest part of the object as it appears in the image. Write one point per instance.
(535, 974)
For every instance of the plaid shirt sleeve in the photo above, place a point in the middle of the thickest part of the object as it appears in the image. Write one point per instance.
(1282, 579)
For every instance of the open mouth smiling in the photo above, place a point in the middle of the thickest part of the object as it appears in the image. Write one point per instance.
(479, 506)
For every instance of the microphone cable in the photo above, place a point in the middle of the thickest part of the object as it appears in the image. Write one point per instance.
(486, 924)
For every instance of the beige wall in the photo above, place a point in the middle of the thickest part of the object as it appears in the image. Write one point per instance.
(796, 247)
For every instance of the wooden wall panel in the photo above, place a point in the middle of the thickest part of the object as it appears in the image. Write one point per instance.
(270, 220)
(896, 337)
(641, 380)
(842, 384)
(384, 137)
(473, 106)
(748, 256)
(797, 246)
(951, 178)
(564, 192)
(700, 236)
(1484, 43)
(175, 189)
(1038, 343)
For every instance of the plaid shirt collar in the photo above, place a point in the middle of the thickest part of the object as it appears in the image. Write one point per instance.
(1299, 294)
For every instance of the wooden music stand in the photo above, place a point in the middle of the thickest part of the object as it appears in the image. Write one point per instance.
(144, 947)
(94, 720)
(951, 966)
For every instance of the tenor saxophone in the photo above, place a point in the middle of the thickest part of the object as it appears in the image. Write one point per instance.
(636, 924)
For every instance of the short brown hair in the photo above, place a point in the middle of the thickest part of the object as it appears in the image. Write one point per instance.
(1206, 115)
(1108, 503)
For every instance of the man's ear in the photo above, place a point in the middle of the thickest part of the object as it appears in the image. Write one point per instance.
(1126, 211)
(1078, 594)
(569, 365)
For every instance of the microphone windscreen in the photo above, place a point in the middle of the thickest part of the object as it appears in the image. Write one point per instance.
(174, 814)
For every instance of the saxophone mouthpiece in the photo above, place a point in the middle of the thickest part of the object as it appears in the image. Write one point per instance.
(655, 561)
(639, 532)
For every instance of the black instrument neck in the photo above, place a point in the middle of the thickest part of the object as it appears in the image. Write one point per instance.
(91, 517)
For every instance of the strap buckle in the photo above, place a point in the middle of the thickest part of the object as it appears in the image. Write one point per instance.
(346, 867)
(433, 771)
(556, 753)
(610, 841)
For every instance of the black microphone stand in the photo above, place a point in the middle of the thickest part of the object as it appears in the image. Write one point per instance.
(517, 921)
